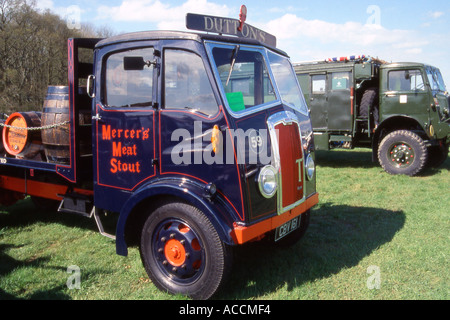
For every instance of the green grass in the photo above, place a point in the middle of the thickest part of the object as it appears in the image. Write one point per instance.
(365, 218)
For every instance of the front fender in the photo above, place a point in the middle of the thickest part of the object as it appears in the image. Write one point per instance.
(215, 208)
(387, 125)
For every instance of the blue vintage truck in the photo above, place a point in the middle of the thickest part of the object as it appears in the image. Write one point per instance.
(171, 133)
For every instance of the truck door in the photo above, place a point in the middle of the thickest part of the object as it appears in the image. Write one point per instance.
(339, 102)
(124, 124)
(406, 94)
(318, 103)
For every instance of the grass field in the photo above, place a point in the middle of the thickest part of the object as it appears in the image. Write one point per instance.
(372, 236)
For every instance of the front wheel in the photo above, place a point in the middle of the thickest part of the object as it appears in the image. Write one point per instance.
(403, 152)
(182, 251)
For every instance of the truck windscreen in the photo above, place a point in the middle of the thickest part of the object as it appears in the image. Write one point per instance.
(436, 80)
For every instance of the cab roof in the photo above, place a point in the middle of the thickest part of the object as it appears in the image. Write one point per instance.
(180, 35)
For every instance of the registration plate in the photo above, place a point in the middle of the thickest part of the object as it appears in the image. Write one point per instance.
(287, 228)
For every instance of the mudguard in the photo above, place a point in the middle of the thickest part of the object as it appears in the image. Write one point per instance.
(214, 207)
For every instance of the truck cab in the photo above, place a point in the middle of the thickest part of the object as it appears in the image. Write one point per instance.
(199, 143)
(399, 110)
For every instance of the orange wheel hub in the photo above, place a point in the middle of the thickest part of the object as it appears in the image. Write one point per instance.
(175, 252)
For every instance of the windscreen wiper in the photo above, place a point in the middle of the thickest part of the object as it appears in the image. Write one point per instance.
(233, 61)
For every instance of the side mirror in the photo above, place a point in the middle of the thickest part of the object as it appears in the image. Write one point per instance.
(135, 63)
(407, 75)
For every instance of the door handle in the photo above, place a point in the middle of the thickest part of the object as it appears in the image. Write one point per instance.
(97, 117)
(90, 86)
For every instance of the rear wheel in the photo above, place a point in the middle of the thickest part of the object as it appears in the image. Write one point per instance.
(437, 155)
(403, 152)
(369, 106)
(182, 252)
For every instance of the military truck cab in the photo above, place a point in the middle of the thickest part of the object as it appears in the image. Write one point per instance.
(200, 143)
(399, 110)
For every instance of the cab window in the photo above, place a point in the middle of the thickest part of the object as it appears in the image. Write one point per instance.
(318, 83)
(129, 87)
(186, 83)
(405, 80)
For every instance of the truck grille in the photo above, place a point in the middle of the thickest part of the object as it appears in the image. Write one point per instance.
(288, 159)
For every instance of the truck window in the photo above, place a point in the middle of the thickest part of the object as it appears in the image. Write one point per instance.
(340, 80)
(435, 79)
(405, 80)
(286, 81)
(129, 88)
(186, 83)
(244, 77)
(318, 83)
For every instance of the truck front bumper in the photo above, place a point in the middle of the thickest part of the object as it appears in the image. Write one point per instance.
(243, 234)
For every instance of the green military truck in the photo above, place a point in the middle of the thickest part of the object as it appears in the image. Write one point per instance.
(399, 110)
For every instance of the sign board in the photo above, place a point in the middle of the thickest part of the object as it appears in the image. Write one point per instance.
(229, 27)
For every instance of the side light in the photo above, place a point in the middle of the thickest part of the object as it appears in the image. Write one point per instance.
(267, 181)
(310, 167)
(215, 138)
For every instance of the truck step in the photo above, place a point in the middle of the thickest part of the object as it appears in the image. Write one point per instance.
(77, 204)
(82, 205)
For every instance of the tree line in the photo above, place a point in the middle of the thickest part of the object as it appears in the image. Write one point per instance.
(33, 53)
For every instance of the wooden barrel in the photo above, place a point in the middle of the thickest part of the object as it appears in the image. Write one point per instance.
(18, 139)
(56, 140)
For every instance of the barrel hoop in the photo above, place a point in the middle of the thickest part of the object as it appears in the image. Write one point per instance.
(56, 110)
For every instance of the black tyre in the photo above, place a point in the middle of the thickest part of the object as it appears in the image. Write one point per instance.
(403, 152)
(297, 234)
(369, 105)
(182, 251)
(437, 155)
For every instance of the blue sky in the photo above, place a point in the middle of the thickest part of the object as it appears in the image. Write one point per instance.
(395, 30)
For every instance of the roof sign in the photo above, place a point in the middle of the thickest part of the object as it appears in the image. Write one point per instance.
(229, 26)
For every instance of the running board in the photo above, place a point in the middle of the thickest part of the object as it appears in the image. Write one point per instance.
(79, 207)
(95, 212)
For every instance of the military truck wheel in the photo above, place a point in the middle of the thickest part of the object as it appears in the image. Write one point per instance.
(182, 251)
(403, 152)
(437, 155)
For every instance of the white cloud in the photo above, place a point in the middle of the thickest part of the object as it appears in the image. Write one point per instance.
(166, 16)
(317, 39)
(290, 26)
(436, 14)
(63, 12)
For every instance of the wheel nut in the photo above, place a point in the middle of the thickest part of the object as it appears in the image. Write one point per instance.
(165, 263)
(172, 235)
(163, 239)
(174, 269)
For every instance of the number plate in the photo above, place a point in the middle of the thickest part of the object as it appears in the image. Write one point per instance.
(287, 228)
